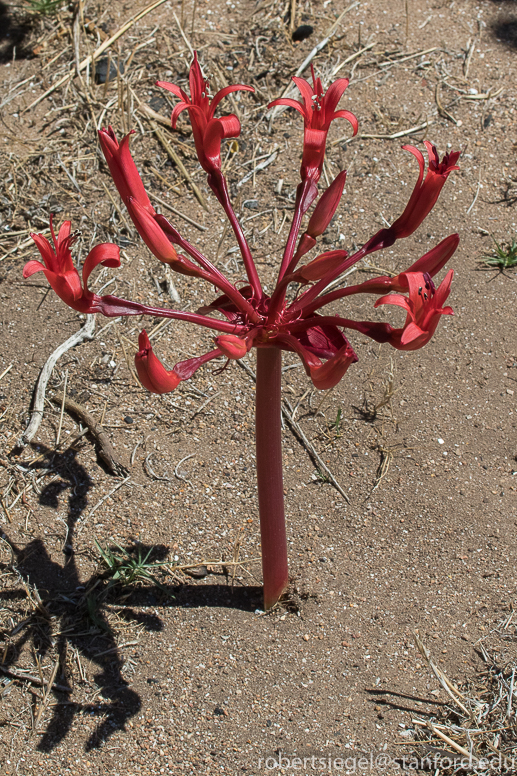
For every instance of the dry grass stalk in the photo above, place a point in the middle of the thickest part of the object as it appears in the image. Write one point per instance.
(96, 54)
(171, 153)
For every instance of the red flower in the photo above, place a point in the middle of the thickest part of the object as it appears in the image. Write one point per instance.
(123, 169)
(423, 198)
(318, 110)
(60, 272)
(152, 373)
(208, 132)
(431, 263)
(321, 216)
(424, 309)
(130, 187)
(231, 346)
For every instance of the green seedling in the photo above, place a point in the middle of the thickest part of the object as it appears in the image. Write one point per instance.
(502, 257)
(126, 569)
(43, 7)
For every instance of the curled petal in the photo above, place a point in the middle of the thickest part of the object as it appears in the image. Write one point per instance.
(289, 103)
(345, 114)
(31, 267)
(216, 131)
(330, 373)
(106, 254)
(225, 92)
(151, 372)
(181, 106)
(395, 299)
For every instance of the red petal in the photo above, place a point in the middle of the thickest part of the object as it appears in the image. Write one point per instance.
(151, 233)
(307, 93)
(46, 251)
(320, 266)
(231, 346)
(444, 289)
(290, 104)
(176, 90)
(334, 94)
(181, 106)
(106, 254)
(330, 373)
(217, 130)
(31, 267)
(345, 114)
(224, 92)
(410, 333)
(395, 299)
(435, 259)
(123, 168)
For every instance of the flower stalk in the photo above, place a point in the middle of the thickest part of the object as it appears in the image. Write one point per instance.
(268, 441)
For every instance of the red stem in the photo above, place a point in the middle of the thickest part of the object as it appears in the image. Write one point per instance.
(269, 474)
(217, 183)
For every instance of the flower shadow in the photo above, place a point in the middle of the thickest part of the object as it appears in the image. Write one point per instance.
(71, 615)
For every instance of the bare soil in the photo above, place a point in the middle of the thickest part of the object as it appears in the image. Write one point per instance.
(189, 675)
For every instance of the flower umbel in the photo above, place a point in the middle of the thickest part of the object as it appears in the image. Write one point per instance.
(245, 316)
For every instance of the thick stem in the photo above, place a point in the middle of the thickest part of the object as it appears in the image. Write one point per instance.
(269, 474)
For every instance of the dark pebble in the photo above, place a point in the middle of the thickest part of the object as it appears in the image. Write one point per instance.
(251, 204)
(218, 711)
(101, 70)
(128, 419)
(302, 32)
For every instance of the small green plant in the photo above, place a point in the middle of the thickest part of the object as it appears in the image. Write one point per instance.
(127, 568)
(43, 7)
(93, 605)
(502, 256)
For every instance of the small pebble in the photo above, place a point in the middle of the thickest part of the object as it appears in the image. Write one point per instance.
(101, 70)
(128, 419)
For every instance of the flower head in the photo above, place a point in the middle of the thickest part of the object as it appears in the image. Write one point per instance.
(423, 198)
(59, 269)
(318, 110)
(424, 308)
(208, 131)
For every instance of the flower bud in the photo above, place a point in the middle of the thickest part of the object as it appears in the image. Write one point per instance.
(231, 346)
